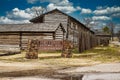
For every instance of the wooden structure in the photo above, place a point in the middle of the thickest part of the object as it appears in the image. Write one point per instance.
(32, 51)
(53, 25)
(67, 49)
(34, 46)
(50, 45)
(81, 36)
(17, 36)
(103, 38)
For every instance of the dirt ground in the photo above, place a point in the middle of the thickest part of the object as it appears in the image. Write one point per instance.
(50, 66)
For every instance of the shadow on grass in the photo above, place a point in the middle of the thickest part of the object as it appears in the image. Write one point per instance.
(23, 59)
(8, 53)
(46, 72)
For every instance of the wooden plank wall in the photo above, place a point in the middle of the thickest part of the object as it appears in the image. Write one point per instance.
(9, 41)
(19, 40)
(56, 17)
(88, 41)
(38, 36)
(85, 39)
(59, 34)
(13, 41)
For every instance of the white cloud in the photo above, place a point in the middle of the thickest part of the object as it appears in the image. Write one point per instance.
(116, 15)
(117, 27)
(86, 11)
(63, 5)
(67, 9)
(97, 12)
(32, 1)
(108, 10)
(18, 16)
(101, 18)
(5, 20)
(58, 2)
(78, 8)
(99, 7)
(51, 1)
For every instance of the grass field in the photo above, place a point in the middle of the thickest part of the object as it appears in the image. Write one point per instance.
(89, 57)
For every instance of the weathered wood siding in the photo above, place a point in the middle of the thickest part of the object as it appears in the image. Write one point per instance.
(57, 17)
(29, 36)
(81, 36)
(73, 31)
(19, 40)
(9, 41)
(59, 34)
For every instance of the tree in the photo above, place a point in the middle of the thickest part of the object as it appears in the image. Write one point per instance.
(112, 26)
(39, 11)
(90, 23)
(106, 30)
(118, 35)
(87, 22)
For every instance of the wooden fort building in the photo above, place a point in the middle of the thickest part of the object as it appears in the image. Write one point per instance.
(54, 25)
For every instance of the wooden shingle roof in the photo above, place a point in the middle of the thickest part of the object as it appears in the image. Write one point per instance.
(42, 27)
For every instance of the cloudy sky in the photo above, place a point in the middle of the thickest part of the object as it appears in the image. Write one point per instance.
(100, 12)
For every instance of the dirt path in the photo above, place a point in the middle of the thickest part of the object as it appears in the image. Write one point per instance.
(28, 78)
(103, 68)
(38, 71)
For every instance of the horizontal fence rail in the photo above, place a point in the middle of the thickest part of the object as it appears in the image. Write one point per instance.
(49, 45)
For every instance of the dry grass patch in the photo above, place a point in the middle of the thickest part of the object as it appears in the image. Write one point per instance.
(102, 54)
(89, 57)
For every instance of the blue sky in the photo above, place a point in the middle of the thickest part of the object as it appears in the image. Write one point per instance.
(99, 12)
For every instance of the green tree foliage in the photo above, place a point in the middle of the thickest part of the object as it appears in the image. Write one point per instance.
(106, 29)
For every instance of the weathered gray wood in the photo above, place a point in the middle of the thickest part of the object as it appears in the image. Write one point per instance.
(76, 32)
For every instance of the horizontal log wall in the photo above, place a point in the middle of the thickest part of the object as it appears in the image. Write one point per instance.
(9, 41)
(59, 34)
(39, 36)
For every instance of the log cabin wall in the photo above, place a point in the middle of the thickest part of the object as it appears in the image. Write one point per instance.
(9, 41)
(29, 36)
(59, 34)
(19, 40)
(57, 17)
